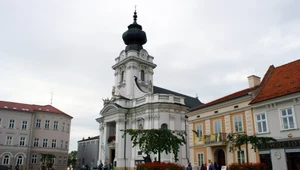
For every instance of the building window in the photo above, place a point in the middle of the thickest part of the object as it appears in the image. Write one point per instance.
(61, 143)
(55, 125)
(200, 159)
(164, 126)
(261, 122)
(24, 124)
(238, 123)
(199, 129)
(6, 160)
(34, 159)
(19, 160)
(9, 140)
(45, 143)
(68, 127)
(63, 126)
(11, 123)
(122, 77)
(47, 124)
(36, 142)
(22, 141)
(217, 126)
(0, 122)
(139, 153)
(66, 145)
(38, 123)
(287, 119)
(241, 156)
(142, 75)
(53, 143)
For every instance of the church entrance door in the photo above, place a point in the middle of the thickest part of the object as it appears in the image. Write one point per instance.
(112, 155)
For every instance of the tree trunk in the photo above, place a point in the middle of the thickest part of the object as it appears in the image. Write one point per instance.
(159, 157)
(247, 153)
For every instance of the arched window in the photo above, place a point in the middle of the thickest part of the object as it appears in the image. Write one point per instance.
(122, 76)
(164, 126)
(141, 126)
(5, 160)
(142, 75)
(19, 160)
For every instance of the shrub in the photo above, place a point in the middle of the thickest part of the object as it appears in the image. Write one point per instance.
(159, 166)
(248, 166)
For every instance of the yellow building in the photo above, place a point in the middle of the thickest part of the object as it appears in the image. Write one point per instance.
(214, 120)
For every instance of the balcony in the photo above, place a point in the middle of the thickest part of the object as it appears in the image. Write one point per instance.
(215, 139)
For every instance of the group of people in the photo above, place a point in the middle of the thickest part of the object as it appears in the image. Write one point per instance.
(209, 166)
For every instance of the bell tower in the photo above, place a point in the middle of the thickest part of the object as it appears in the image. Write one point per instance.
(134, 66)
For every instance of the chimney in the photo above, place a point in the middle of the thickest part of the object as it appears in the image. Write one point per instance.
(253, 81)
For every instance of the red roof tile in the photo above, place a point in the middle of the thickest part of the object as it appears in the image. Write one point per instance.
(283, 80)
(225, 98)
(29, 108)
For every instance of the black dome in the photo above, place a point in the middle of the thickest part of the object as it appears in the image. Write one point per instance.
(134, 37)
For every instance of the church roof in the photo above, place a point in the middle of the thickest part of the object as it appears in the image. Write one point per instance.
(188, 100)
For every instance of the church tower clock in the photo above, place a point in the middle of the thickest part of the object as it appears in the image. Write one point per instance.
(134, 66)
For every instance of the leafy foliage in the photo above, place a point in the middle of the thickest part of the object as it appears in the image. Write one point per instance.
(157, 140)
(156, 166)
(47, 159)
(72, 158)
(238, 139)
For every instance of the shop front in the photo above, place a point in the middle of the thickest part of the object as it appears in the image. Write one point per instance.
(281, 155)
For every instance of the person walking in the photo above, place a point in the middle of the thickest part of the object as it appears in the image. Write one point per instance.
(189, 167)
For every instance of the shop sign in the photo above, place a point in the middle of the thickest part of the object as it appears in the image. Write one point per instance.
(282, 144)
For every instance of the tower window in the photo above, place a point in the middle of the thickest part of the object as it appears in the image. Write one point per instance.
(142, 75)
(122, 76)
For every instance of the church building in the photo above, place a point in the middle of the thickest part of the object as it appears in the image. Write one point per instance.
(137, 104)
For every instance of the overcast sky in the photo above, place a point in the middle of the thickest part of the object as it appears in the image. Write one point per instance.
(200, 47)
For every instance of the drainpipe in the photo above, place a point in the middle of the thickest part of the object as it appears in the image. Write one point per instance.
(186, 148)
(125, 139)
(29, 141)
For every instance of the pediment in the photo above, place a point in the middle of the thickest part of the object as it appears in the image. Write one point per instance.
(109, 108)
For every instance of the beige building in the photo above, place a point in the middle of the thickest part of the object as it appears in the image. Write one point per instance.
(214, 120)
(27, 130)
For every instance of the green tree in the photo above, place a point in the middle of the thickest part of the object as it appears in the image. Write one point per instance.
(157, 140)
(237, 140)
(47, 160)
(72, 160)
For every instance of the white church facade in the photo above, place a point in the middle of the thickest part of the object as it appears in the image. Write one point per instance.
(137, 104)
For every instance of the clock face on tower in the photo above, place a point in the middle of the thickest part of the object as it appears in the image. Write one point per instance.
(143, 54)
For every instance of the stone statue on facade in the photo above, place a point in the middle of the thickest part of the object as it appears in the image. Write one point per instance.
(105, 101)
(113, 91)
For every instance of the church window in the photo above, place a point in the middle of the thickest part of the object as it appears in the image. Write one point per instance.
(122, 76)
(142, 75)
(164, 126)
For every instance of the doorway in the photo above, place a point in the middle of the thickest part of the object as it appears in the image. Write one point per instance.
(220, 157)
(112, 155)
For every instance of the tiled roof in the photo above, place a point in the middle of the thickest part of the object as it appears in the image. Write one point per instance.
(225, 98)
(30, 107)
(188, 100)
(283, 80)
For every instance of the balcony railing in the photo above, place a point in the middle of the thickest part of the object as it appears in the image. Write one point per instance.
(216, 138)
